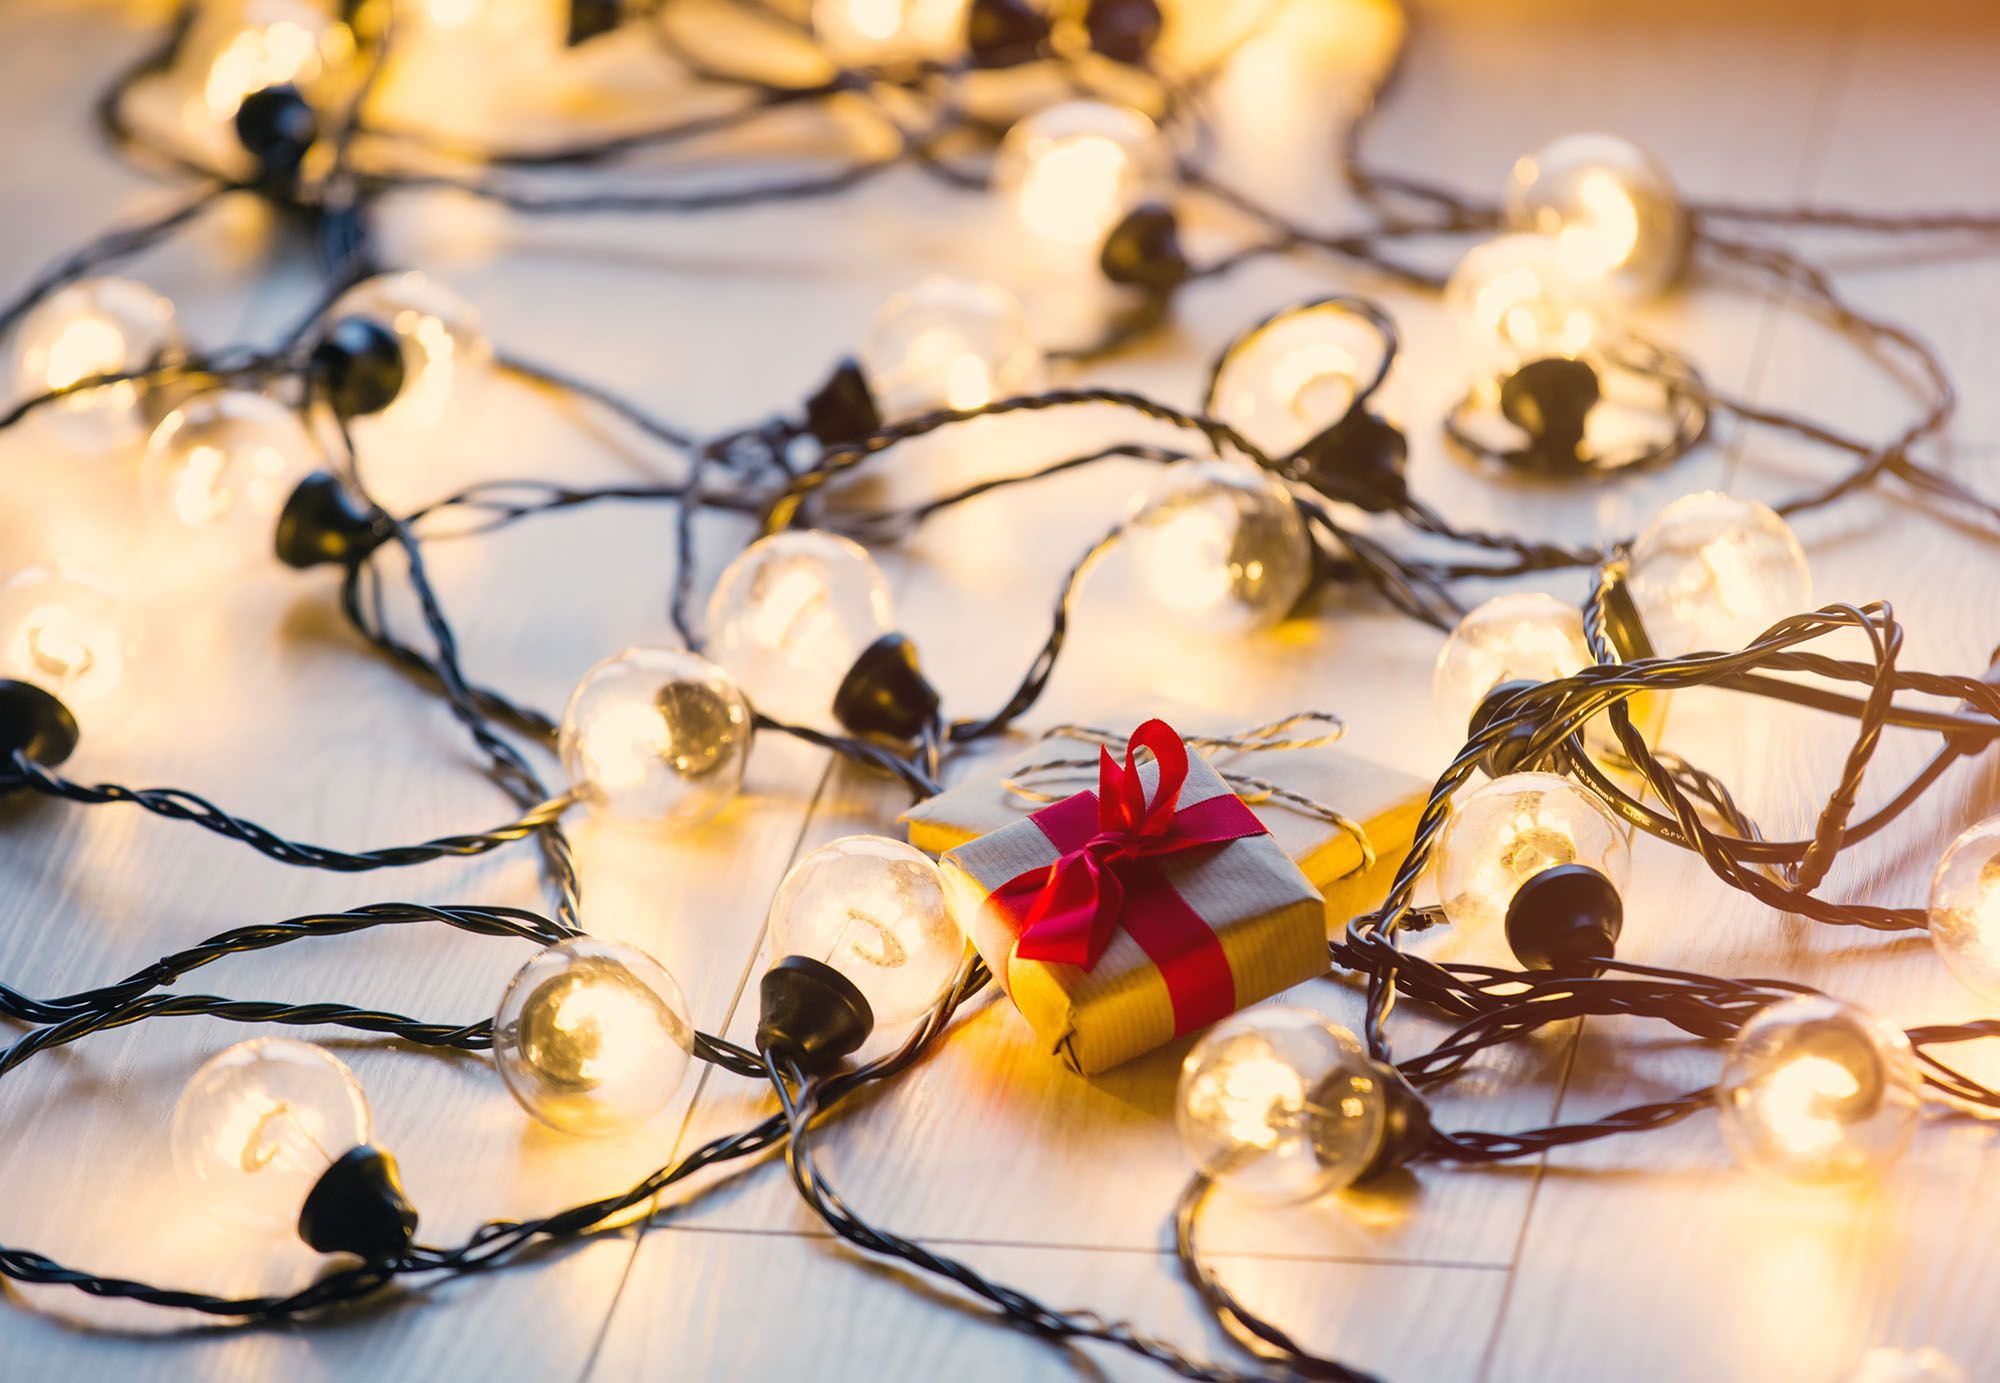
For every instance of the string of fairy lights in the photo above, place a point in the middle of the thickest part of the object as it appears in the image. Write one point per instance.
(1286, 480)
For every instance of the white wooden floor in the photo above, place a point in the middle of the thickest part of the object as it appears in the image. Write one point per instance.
(1644, 1258)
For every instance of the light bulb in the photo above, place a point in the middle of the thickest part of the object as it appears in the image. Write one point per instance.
(1509, 830)
(1609, 206)
(1815, 1092)
(1295, 377)
(948, 343)
(70, 636)
(446, 354)
(872, 908)
(655, 737)
(789, 616)
(260, 1124)
(1516, 299)
(236, 47)
(1714, 571)
(1070, 173)
(102, 326)
(593, 1037)
(1281, 1106)
(874, 31)
(1220, 546)
(221, 466)
(1965, 908)
(1921, 1365)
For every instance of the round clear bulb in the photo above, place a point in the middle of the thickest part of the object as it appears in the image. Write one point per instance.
(236, 47)
(68, 635)
(872, 908)
(221, 466)
(1516, 300)
(446, 354)
(1818, 1092)
(260, 1123)
(593, 1037)
(1507, 831)
(1220, 546)
(874, 31)
(1965, 908)
(789, 616)
(102, 326)
(1921, 1365)
(1280, 1105)
(655, 737)
(1068, 174)
(948, 342)
(1295, 377)
(1608, 205)
(1714, 571)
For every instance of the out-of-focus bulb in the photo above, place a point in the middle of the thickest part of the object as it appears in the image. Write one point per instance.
(1071, 172)
(1965, 908)
(869, 31)
(1281, 1106)
(790, 615)
(69, 636)
(1922, 1365)
(1713, 571)
(1817, 1092)
(948, 343)
(104, 326)
(260, 1124)
(1609, 206)
(1510, 830)
(1221, 546)
(655, 737)
(872, 908)
(1516, 299)
(221, 467)
(593, 1037)
(446, 354)
(236, 47)
(1295, 377)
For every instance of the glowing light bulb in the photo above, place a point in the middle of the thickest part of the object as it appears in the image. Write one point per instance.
(236, 47)
(872, 908)
(1517, 299)
(103, 326)
(1817, 1092)
(1221, 546)
(1071, 172)
(221, 466)
(1295, 376)
(1281, 1106)
(1922, 1365)
(789, 616)
(260, 1124)
(1713, 571)
(1511, 829)
(1609, 206)
(69, 636)
(655, 737)
(948, 343)
(593, 1037)
(446, 355)
(873, 31)
(1965, 908)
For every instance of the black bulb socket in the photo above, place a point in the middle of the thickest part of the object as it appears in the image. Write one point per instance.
(1144, 251)
(359, 365)
(1566, 920)
(844, 409)
(590, 18)
(1005, 33)
(325, 523)
(1510, 754)
(885, 693)
(811, 1014)
(34, 723)
(358, 1206)
(1360, 460)
(1123, 30)
(277, 126)
(1549, 400)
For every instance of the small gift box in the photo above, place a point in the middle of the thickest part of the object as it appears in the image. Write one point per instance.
(1120, 919)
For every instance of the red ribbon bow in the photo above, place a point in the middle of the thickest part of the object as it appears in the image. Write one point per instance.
(1108, 876)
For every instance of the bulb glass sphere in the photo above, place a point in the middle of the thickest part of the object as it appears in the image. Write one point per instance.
(1516, 299)
(67, 635)
(593, 1037)
(104, 326)
(260, 1123)
(1221, 547)
(1714, 571)
(1609, 206)
(446, 354)
(221, 467)
(1280, 1105)
(1511, 829)
(236, 47)
(1965, 908)
(1817, 1092)
(948, 343)
(790, 615)
(864, 31)
(1295, 377)
(1524, 636)
(1070, 173)
(655, 737)
(874, 909)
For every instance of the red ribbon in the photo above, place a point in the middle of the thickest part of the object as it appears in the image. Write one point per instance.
(1109, 875)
